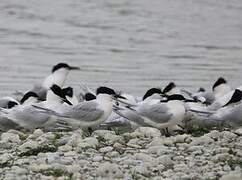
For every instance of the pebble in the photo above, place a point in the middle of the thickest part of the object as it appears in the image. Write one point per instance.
(89, 142)
(109, 170)
(141, 154)
(10, 138)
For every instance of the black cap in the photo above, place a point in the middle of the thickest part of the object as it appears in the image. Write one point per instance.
(236, 97)
(152, 91)
(105, 90)
(169, 87)
(65, 66)
(220, 81)
(28, 95)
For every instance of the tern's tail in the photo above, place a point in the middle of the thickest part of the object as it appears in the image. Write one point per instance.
(4, 111)
(46, 110)
(202, 112)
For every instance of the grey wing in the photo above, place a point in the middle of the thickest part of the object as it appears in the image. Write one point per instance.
(158, 113)
(6, 124)
(30, 117)
(86, 111)
(234, 117)
(132, 116)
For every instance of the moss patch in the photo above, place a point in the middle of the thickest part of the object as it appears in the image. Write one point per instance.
(234, 163)
(43, 149)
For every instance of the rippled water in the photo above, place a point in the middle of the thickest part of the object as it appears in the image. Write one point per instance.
(130, 45)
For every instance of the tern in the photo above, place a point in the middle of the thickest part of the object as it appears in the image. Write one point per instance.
(87, 113)
(58, 76)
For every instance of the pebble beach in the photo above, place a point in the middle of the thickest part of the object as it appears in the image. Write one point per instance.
(105, 154)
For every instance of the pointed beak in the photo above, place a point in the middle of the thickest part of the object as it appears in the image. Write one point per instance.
(68, 102)
(74, 68)
(118, 96)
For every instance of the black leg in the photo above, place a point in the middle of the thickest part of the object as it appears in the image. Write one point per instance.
(90, 130)
(167, 134)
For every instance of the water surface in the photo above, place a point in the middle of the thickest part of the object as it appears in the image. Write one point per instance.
(130, 45)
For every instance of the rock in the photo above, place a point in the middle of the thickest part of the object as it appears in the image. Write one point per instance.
(109, 170)
(221, 157)
(16, 173)
(229, 136)
(65, 148)
(215, 135)
(37, 133)
(28, 147)
(141, 169)
(108, 136)
(106, 149)
(112, 154)
(165, 160)
(144, 157)
(54, 169)
(134, 143)
(203, 140)
(148, 132)
(232, 176)
(6, 160)
(238, 132)
(10, 138)
(89, 142)
(46, 138)
(184, 138)
(159, 150)
(161, 141)
(75, 138)
(97, 158)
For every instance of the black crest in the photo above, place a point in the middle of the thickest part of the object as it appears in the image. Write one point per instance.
(68, 91)
(169, 87)
(28, 95)
(59, 92)
(219, 82)
(176, 97)
(152, 91)
(65, 66)
(105, 90)
(236, 97)
(59, 66)
(201, 89)
(12, 104)
(89, 96)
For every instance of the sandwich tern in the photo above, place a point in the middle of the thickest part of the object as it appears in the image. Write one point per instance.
(160, 114)
(58, 77)
(87, 113)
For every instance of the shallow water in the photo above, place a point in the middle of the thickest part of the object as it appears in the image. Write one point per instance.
(130, 45)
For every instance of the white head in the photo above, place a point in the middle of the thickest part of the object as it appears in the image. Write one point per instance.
(58, 76)
(105, 93)
(220, 88)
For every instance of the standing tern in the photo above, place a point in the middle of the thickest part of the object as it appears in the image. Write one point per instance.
(220, 88)
(58, 77)
(157, 114)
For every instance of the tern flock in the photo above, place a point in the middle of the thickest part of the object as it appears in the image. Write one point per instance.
(51, 105)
